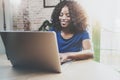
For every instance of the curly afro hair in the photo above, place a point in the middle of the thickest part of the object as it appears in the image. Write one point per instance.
(77, 15)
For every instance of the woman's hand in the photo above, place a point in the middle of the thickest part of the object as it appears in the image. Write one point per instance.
(64, 58)
(82, 55)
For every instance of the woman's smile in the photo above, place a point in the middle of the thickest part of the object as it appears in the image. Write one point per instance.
(64, 17)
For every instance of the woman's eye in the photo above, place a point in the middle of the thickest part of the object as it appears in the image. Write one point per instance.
(68, 15)
(61, 14)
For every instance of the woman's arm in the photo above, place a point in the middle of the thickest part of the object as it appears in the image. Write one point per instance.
(86, 53)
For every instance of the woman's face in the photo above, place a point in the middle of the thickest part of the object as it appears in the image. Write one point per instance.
(64, 17)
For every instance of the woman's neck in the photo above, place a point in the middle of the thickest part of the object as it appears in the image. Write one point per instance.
(66, 34)
(66, 31)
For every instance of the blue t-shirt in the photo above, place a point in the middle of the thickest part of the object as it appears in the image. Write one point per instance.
(74, 44)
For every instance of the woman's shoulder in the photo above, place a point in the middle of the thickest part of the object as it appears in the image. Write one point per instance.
(83, 34)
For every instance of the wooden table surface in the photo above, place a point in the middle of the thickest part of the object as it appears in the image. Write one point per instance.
(77, 70)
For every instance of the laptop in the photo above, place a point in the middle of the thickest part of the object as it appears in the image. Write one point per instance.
(32, 50)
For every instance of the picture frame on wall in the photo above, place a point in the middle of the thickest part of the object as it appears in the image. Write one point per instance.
(50, 3)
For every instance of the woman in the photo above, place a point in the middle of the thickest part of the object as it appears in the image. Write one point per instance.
(70, 23)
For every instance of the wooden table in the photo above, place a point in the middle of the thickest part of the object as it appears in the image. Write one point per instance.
(78, 70)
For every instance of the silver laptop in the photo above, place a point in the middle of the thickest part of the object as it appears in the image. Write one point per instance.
(36, 50)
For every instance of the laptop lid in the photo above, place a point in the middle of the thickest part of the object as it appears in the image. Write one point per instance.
(32, 49)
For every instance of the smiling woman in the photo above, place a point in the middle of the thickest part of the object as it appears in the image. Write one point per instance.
(70, 24)
(64, 17)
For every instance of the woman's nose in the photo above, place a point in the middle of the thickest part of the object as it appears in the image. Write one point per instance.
(64, 17)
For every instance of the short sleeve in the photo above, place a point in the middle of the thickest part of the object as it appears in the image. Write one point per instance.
(85, 35)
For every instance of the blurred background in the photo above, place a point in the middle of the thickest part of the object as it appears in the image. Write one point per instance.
(104, 21)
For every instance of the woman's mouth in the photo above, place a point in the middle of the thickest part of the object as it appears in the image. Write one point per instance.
(63, 22)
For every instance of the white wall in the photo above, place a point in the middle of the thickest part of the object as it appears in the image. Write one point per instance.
(2, 49)
(8, 15)
(1, 15)
(8, 20)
